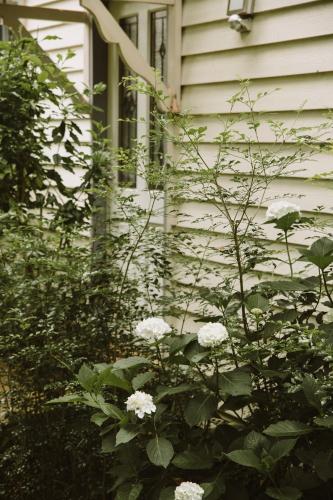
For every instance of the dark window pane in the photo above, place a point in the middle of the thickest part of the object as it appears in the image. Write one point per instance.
(127, 105)
(158, 59)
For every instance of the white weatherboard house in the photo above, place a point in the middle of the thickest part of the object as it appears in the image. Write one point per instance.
(201, 60)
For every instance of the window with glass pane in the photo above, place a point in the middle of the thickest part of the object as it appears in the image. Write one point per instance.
(128, 107)
(158, 59)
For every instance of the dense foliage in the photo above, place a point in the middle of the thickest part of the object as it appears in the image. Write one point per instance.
(235, 402)
(61, 304)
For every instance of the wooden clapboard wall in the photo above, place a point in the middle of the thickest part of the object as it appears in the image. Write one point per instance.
(71, 36)
(290, 47)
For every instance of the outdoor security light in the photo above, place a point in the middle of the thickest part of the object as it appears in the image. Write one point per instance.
(241, 7)
(240, 14)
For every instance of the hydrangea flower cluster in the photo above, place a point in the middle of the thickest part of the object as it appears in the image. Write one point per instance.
(141, 403)
(279, 209)
(152, 329)
(212, 334)
(189, 491)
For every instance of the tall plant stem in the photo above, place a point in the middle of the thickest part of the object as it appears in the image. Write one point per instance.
(329, 296)
(241, 283)
(288, 253)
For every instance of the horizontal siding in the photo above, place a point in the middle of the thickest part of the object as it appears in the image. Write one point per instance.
(312, 21)
(292, 58)
(318, 164)
(311, 92)
(204, 11)
(194, 215)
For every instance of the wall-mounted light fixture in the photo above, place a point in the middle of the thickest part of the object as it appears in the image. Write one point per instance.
(240, 14)
(241, 7)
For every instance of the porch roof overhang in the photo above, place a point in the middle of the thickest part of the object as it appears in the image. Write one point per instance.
(109, 30)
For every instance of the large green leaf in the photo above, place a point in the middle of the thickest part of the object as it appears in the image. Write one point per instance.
(235, 383)
(311, 388)
(287, 428)
(285, 493)
(320, 253)
(108, 378)
(170, 391)
(247, 458)
(99, 418)
(294, 285)
(67, 398)
(160, 451)
(125, 436)
(131, 362)
(256, 442)
(112, 411)
(129, 492)
(324, 465)
(282, 448)
(325, 421)
(191, 460)
(200, 409)
(257, 301)
(142, 379)
(177, 344)
(87, 378)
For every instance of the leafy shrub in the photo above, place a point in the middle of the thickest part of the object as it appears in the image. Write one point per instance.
(243, 405)
(61, 304)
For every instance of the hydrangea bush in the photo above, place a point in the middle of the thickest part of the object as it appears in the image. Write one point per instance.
(238, 406)
(230, 411)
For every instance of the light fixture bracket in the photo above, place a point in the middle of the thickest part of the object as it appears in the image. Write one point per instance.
(243, 8)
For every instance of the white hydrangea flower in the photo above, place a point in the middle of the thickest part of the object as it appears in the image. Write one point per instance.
(279, 209)
(152, 329)
(189, 491)
(212, 334)
(141, 403)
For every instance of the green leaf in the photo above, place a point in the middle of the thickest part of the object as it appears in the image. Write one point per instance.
(131, 362)
(247, 458)
(287, 428)
(125, 436)
(129, 492)
(286, 222)
(257, 301)
(256, 442)
(325, 422)
(182, 341)
(324, 465)
(286, 286)
(99, 418)
(285, 493)
(108, 378)
(170, 391)
(67, 398)
(191, 460)
(167, 494)
(310, 388)
(160, 451)
(235, 383)
(200, 409)
(320, 253)
(86, 378)
(282, 448)
(112, 411)
(214, 490)
(142, 379)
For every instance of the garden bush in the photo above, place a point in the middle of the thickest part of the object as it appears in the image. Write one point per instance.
(61, 303)
(238, 406)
